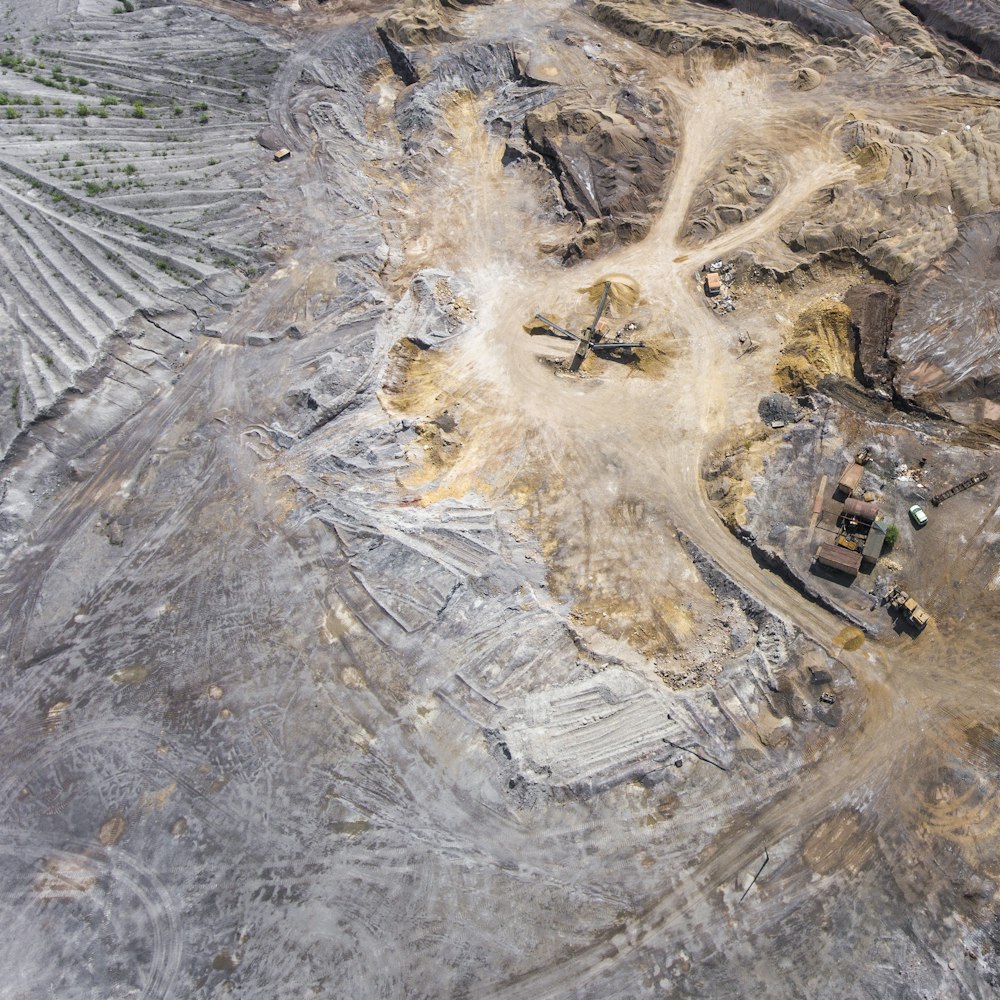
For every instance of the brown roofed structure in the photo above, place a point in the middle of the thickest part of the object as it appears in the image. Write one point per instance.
(861, 510)
(839, 558)
(850, 478)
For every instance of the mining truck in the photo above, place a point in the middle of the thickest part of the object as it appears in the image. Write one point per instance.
(901, 602)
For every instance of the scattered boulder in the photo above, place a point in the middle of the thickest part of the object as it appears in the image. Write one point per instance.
(262, 339)
(719, 488)
(271, 137)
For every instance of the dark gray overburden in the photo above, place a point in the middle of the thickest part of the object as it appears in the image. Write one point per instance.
(350, 646)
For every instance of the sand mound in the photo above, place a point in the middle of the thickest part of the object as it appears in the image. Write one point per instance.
(819, 345)
(806, 79)
(623, 296)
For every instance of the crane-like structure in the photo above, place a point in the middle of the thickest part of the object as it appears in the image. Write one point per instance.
(591, 338)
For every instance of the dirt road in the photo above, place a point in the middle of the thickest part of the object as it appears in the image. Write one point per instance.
(255, 727)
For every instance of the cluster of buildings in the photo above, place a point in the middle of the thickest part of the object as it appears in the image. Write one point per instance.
(862, 533)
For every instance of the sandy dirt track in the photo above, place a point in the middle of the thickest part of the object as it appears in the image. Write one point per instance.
(287, 735)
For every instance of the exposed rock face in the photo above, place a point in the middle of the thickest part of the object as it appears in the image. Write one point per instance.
(416, 22)
(899, 24)
(825, 18)
(974, 23)
(946, 339)
(873, 309)
(682, 27)
(610, 169)
(902, 212)
(745, 185)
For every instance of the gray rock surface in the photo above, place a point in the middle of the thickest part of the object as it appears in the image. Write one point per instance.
(294, 704)
(946, 338)
(873, 312)
(610, 166)
(974, 23)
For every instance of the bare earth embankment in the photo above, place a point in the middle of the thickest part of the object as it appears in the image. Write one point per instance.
(353, 643)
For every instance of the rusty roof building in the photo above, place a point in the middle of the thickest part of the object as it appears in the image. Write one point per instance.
(836, 557)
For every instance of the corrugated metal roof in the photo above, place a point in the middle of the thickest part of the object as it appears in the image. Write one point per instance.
(851, 477)
(838, 558)
(875, 541)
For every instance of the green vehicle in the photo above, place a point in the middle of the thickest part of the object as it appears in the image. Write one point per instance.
(917, 515)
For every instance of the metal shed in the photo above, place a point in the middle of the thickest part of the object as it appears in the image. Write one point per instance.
(839, 558)
(850, 479)
(874, 542)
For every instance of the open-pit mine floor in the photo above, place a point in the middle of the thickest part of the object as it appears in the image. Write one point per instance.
(352, 645)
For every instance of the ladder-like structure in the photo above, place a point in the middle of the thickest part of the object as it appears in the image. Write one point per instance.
(960, 488)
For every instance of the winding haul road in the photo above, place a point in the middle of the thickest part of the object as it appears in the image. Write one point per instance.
(698, 393)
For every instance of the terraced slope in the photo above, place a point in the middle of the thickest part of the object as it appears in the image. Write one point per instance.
(974, 23)
(128, 172)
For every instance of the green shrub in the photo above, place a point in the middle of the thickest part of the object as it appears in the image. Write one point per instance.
(891, 535)
(138, 109)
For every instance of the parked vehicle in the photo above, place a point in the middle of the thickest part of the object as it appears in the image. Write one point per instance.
(904, 605)
(917, 515)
